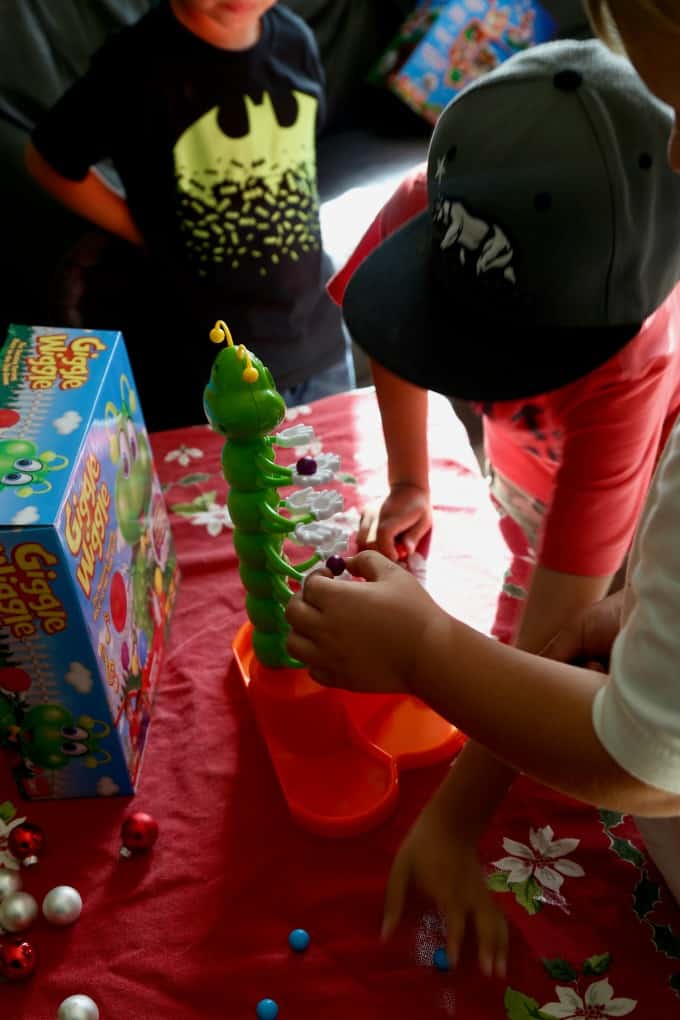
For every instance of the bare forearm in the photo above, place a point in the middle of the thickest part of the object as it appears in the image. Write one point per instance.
(535, 713)
(554, 599)
(472, 791)
(403, 410)
(90, 198)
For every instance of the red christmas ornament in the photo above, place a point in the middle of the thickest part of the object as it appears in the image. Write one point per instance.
(26, 842)
(18, 960)
(139, 832)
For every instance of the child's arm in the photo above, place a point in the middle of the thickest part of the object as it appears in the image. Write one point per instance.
(553, 600)
(587, 639)
(406, 513)
(479, 781)
(607, 460)
(534, 713)
(90, 198)
(439, 856)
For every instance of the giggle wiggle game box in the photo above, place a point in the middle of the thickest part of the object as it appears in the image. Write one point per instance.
(87, 565)
(445, 46)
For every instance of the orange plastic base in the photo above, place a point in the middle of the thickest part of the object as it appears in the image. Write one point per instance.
(338, 755)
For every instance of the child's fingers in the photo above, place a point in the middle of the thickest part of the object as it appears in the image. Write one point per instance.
(402, 552)
(314, 587)
(395, 895)
(567, 645)
(370, 565)
(368, 527)
(491, 939)
(502, 946)
(303, 649)
(455, 927)
(412, 536)
(302, 615)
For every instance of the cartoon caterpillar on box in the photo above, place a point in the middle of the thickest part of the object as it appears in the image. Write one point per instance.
(129, 450)
(21, 467)
(48, 736)
(242, 403)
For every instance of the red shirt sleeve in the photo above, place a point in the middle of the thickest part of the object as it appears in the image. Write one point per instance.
(614, 423)
(408, 201)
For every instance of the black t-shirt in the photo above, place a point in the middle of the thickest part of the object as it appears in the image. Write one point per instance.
(216, 150)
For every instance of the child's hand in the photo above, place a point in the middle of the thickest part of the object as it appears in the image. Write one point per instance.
(588, 638)
(406, 516)
(445, 867)
(363, 637)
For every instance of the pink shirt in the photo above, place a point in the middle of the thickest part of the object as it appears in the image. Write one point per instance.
(587, 450)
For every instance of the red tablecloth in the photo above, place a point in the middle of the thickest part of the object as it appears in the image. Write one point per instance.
(199, 928)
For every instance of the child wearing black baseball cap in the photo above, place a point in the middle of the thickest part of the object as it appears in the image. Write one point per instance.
(540, 282)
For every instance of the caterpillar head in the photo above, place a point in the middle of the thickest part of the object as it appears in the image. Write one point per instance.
(241, 400)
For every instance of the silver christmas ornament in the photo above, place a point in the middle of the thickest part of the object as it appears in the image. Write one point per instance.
(78, 1007)
(10, 881)
(18, 911)
(62, 905)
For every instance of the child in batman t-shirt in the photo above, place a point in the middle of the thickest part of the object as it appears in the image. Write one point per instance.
(209, 111)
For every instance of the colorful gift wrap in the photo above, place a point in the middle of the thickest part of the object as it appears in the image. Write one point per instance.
(467, 38)
(88, 571)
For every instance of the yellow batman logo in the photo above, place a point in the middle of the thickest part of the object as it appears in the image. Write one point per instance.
(252, 197)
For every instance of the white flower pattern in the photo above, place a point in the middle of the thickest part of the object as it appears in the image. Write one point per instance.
(8, 860)
(598, 1002)
(544, 860)
(184, 455)
(214, 519)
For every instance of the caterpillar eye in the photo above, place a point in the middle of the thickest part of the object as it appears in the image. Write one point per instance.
(125, 457)
(73, 749)
(74, 733)
(16, 478)
(132, 440)
(27, 464)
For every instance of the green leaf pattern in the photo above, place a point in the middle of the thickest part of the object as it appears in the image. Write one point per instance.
(646, 895)
(7, 812)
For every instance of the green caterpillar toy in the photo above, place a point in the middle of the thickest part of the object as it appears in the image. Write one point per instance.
(242, 403)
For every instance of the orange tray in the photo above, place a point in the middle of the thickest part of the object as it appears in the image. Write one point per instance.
(337, 755)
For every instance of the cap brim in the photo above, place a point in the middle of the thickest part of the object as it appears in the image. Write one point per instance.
(450, 340)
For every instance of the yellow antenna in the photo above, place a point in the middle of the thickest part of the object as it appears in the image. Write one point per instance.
(127, 394)
(220, 332)
(250, 373)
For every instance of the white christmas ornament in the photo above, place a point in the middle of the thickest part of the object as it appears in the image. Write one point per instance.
(18, 911)
(78, 1007)
(10, 882)
(62, 905)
